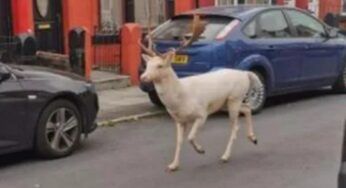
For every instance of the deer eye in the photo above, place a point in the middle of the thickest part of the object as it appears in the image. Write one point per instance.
(160, 66)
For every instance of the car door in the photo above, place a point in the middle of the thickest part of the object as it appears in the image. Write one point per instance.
(12, 112)
(321, 58)
(274, 40)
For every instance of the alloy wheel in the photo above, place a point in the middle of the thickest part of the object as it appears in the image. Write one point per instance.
(256, 98)
(62, 129)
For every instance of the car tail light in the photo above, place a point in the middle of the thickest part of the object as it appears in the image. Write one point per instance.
(224, 33)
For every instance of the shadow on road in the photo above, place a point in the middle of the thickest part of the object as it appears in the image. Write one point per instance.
(297, 97)
(16, 158)
(24, 157)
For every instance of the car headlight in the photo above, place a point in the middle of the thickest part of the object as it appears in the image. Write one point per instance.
(91, 87)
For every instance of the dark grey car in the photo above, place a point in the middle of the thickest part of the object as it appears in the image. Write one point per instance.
(44, 109)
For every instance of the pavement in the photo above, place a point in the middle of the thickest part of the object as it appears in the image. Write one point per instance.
(125, 104)
(300, 138)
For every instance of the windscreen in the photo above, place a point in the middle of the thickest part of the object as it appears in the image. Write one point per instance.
(179, 27)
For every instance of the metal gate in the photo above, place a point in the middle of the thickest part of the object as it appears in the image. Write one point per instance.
(106, 49)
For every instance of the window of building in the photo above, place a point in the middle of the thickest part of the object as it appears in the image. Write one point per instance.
(239, 2)
(110, 15)
(273, 24)
(305, 25)
(157, 12)
(290, 3)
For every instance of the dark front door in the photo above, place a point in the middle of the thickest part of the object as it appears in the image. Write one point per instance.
(48, 25)
(129, 6)
(5, 17)
(170, 6)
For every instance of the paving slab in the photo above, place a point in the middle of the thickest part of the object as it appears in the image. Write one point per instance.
(124, 103)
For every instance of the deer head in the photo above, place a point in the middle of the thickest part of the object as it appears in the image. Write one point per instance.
(159, 65)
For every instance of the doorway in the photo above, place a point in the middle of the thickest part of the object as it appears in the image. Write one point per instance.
(129, 7)
(48, 25)
(5, 18)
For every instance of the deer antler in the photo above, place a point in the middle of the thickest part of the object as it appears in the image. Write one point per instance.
(196, 29)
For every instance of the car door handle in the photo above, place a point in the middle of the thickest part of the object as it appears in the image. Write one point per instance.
(271, 47)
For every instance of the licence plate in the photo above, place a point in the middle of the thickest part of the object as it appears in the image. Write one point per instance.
(180, 59)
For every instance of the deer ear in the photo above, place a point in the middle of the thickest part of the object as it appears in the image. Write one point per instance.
(146, 57)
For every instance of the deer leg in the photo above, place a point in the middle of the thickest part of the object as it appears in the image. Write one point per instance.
(233, 110)
(246, 110)
(179, 141)
(192, 135)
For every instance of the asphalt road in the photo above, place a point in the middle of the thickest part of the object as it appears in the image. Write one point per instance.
(299, 146)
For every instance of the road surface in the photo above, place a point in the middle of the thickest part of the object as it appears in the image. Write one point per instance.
(299, 146)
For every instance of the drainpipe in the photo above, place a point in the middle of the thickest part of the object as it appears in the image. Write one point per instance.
(197, 3)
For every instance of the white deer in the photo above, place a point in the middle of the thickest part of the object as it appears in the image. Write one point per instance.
(190, 100)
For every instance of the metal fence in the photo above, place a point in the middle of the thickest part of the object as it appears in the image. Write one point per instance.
(9, 49)
(106, 49)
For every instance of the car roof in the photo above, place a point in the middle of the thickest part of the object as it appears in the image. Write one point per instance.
(239, 11)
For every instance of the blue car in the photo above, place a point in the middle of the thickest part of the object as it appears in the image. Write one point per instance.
(288, 48)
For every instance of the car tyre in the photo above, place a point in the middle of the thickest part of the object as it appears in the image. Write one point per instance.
(340, 84)
(154, 98)
(257, 98)
(59, 129)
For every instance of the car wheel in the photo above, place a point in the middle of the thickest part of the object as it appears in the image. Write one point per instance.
(154, 98)
(340, 84)
(257, 97)
(59, 130)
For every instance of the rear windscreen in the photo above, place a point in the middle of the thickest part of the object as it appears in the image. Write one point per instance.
(179, 27)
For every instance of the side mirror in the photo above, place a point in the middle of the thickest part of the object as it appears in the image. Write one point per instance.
(332, 32)
(4, 74)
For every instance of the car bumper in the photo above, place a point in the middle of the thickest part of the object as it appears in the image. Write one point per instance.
(92, 108)
(92, 128)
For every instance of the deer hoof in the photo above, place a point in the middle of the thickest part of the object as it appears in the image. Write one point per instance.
(224, 159)
(172, 168)
(253, 139)
(201, 151)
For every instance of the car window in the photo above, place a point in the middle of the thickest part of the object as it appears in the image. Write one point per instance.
(305, 25)
(273, 25)
(250, 29)
(176, 28)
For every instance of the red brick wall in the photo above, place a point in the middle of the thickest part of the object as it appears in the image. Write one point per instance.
(183, 6)
(22, 16)
(303, 4)
(205, 3)
(81, 13)
(327, 6)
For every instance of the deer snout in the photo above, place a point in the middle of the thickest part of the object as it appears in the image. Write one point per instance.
(145, 78)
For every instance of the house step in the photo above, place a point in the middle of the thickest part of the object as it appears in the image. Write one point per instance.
(108, 80)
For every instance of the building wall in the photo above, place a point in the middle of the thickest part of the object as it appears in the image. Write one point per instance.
(22, 16)
(142, 11)
(326, 6)
(91, 14)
